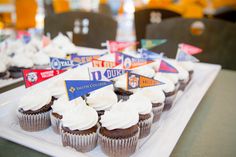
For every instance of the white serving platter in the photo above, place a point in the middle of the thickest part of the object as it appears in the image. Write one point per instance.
(163, 138)
(10, 81)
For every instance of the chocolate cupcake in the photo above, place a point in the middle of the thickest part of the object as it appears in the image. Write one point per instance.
(4, 74)
(34, 110)
(59, 108)
(169, 90)
(157, 97)
(79, 128)
(144, 108)
(189, 66)
(119, 131)
(102, 99)
(41, 60)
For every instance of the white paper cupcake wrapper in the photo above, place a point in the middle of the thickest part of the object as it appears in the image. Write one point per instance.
(145, 127)
(169, 101)
(122, 97)
(56, 123)
(157, 113)
(34, 122)
(82, 143)
(118, 147)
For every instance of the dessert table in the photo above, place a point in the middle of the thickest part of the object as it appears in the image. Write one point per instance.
(210, 131)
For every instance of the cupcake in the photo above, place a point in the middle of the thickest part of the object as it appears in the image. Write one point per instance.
(79, 128)
(157, 97)
(144, 71)
(102, 99)
(119, 131)
(19, 62)
(57, 89)
(144, 108)
(3, 71)
(189, 66)
(34, 110)
(60, 107)
(41, 60)
(169, 90)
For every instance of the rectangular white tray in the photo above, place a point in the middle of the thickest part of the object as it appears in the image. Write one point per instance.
(7, 82)
(163, 138)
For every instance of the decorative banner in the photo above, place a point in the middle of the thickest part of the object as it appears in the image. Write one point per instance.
(61, 63)
(183, 56)
(32, 77)
(138, 81)
(117, 46)
(105, 74)
(190, 49)
(118, 57)
(150, 55)
(103, 64)
(167, 68)
(77, 88)
(151, 43)
(81, 59)
(130, 62)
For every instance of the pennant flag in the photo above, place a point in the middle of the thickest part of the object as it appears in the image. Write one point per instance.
(105, 74)
(118, 57)
(82, 59)
(35, 76)
(138, 81)
(77, 88)
(61, 63)
(183, 56)
(151, 43)
(117, 46)
(150, 55)
(130, 62)
(192, 50)
(103, 64)
(167, 68)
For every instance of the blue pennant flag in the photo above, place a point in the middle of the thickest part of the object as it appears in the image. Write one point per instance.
(183, 56)
(82, 59)
(61, 63)
(150, 55)
(77, 88)
(105, 74)
(130, 62)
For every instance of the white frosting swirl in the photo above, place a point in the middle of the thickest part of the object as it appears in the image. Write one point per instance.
(121, 82)
(3, 67)
(120, 117)
(19, 60)
(168, 85)
(102, 99)
(57, 89)
(82, 117)
(187, 65)
(141, 103)
(41, 58)
(35, 99)
(171, 76)
(145, 71)
(155, 94)
(53, 51)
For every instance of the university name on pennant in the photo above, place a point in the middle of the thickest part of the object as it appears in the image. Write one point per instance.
(117, 46)
(130, 62)
(33, 77)
(61, 63)
(151, 43)
(77, 88)
(103, 64)
(165, 67)
(138, 81)
(82, 59)
(190, 49)
(150, 55)
(183, 56)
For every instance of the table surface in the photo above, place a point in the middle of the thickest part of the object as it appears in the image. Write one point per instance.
(210, 132)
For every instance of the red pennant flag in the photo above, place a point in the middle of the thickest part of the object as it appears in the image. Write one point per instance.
(103, 64)
(35, 76)
(117, 46)
(192, 50)
(167, 68)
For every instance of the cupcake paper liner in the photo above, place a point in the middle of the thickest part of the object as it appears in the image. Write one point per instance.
(157, 113)
(34, 122)
(145, 127)
(122, 97)
(56, 123)
(82, 143)
(118, 147)
(169, 101)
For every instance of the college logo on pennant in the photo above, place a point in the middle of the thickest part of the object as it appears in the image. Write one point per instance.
(81, 59)
(61, 63)
(138, 81)
(130, 62)
(117, 46)
(77, 88)
(32, 77)
(105, 74)
(190, 49)
(150, 55)
(151, 43)
(167, 68)
(183, 56)
(103, 64)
